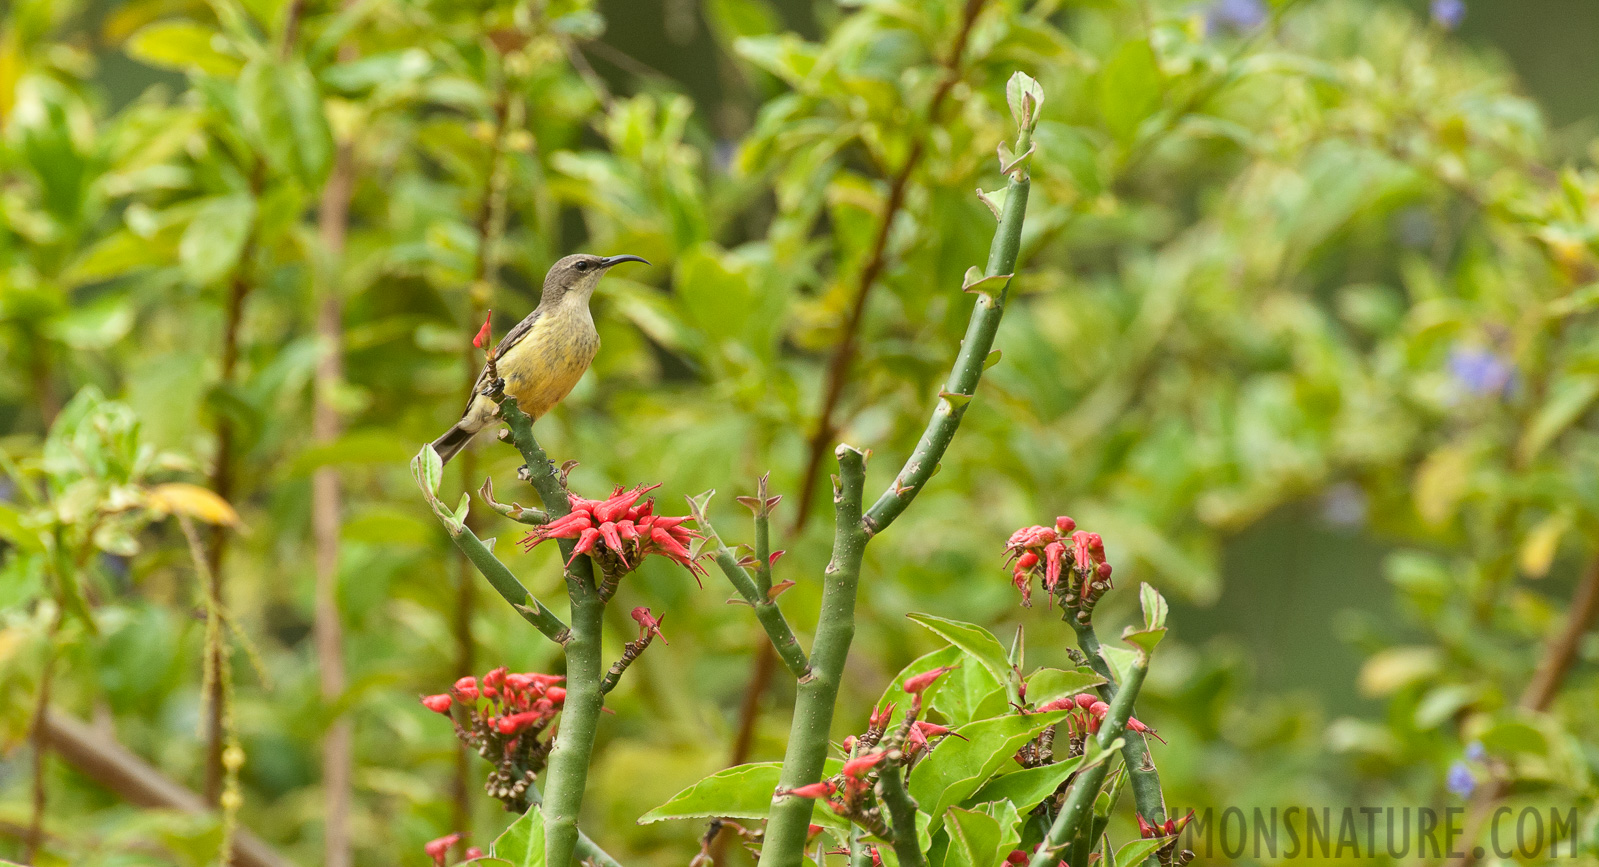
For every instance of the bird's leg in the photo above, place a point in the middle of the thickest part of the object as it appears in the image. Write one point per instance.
(495, 388)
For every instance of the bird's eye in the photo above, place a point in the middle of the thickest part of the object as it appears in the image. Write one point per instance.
(582, 266)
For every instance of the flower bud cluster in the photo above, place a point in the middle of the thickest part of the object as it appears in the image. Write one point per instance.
(503, 719)
(852, 792)
(1168, 854)
(1088, 713)
(439, 849)
(621, 531)
(1072, 562)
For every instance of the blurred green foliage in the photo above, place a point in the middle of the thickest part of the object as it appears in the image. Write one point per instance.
(1316, 258)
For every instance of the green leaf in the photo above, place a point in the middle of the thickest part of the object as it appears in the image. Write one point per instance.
(1047, 684)
(1025, 96)
(1136, 851)
(183, 46)
(1154, 606)
(1129, 87)
(974, 839)
(283, 117)
(958, 768)
(215, 238)
(742, 792)
(1568, 400)
(522, 844)
(1026, 788)
(978, 642)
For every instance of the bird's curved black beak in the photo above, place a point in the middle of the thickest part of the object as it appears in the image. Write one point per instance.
(608, 261)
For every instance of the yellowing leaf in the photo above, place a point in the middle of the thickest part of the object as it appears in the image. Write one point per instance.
(182, 498)
(1441, 483)
(1396, 668)
(1538, 549)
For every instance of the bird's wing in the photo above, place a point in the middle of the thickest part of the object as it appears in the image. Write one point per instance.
(517, 332)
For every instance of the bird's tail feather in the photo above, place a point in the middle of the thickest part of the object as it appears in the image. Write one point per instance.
(452, 442)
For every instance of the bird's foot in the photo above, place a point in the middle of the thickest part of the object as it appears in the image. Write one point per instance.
(495, 389)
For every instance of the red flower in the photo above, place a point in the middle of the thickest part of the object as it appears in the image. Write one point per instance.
(472, 853)
(555, 695)
(516, 722)
(437, 849)
(630, 530)
(648, 624)
(437, 703)
(915, 685)
(466, 689)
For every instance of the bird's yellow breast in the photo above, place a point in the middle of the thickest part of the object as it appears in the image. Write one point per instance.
(543, 367)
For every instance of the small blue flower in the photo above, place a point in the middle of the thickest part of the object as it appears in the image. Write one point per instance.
(1448, 13)
(1460, 781)
(1234, 15)
(1476, 752)
(1481, 372)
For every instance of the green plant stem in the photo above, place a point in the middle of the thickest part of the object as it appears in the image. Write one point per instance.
(1079, 807)
(790, 817)
(1142, 774)
(860, 854)
(766, 611)
(901, 815)
(969, 364)
(763, 554)
(501, 579)
(587, 849)
(574, 742)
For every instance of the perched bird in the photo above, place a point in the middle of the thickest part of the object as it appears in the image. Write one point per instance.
(544, 356)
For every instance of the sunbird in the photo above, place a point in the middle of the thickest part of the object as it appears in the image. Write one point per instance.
(545, 354)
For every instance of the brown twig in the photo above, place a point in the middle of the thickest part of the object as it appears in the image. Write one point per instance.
(101, 758)
(489, 224)
(838, 365)
(1558, 658)
(333, 220)
(35, 836)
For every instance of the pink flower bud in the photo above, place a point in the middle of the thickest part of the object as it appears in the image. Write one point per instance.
(915, 685)
(857, 767)
(1098, 709)
(931, 730)
(1065, 525)
(495, 678)
(466, 689)
(815, 790)
(1145, 829)
(437, 849)
(1027, 561)
(1085, 700)
(556, 695)
(484, 334)
(516, 722)
(437, 703)
(473, 853)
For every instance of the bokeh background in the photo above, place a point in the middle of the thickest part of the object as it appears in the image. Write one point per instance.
(1305, 329)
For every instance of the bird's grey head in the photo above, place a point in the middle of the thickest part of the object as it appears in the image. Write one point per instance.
(578, 274)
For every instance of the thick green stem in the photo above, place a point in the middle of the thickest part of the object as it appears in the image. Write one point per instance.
(901, 815)
(1079, 807)
(766, 611)
(1142, 774)
(532, 610)
(763, 553)
(587, 849)
(574, 742)
(790, 817)
(968, 369)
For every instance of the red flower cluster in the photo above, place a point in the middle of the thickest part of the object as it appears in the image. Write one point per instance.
(501, 719)
(1088, 713)
(1032, 547)
(624, 527)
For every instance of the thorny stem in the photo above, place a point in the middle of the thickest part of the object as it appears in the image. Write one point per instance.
(790, 817)
(968, 369)
(512, 590)
(766, 611)
(901, 814)
(574, 742)
(1079, 806)
(587, 850)
(813, 710)
(1142, 774)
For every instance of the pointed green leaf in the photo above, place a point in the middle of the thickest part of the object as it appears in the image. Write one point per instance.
(522, 844)
(742, 792)
(957, 767)
(973, 839)
(283, 116)
(1154, 606)
(974, 639)
(1026, 788)
(1046, 684)
(1136, 851)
